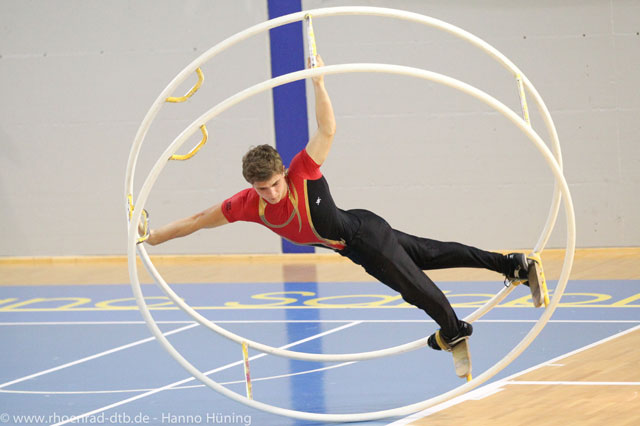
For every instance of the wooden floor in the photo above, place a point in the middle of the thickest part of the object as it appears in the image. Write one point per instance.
(620, 264)
(597, 386)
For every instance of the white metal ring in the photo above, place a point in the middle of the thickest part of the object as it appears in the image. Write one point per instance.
(329, 12)
(553, 163)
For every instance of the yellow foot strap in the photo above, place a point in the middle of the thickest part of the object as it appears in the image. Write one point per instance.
(441, 342)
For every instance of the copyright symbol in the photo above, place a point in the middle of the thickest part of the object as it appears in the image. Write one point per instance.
(4, 418)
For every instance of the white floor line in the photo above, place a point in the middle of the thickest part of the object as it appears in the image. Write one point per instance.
(97, 392)
(26, 323)
(497, 386)
(91, 322)
(79, 417)
(567, 383)
(95, 356)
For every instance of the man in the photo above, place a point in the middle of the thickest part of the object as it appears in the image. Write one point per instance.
(297, 205)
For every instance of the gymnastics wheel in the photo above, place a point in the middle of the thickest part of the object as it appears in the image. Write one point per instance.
(135, 210)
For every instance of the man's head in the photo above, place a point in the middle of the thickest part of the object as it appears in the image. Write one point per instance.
(262, 167)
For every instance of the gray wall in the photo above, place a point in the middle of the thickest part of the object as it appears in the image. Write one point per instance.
(78, 77)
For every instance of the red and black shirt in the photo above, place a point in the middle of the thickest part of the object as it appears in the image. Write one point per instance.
(307, 215)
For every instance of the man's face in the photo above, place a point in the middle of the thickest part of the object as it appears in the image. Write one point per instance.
(273, 189)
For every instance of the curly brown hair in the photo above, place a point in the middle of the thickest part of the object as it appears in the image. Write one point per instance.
(260, 163)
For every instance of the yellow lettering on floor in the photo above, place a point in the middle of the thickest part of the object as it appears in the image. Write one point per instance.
(131, 305)
(524, 301)
(381, 300)
(76, 301)
(626, 302)
(281, 301)
(596, 297)
(305, 300)
(471, 304)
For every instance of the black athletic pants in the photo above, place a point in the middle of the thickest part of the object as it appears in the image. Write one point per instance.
(398, 260)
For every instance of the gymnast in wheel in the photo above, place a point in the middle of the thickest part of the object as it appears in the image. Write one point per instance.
(296, 204)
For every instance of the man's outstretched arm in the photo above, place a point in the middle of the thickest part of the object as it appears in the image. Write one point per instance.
(209, 218)
(319, 145)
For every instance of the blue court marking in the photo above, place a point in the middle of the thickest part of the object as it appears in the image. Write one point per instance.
(50, 338)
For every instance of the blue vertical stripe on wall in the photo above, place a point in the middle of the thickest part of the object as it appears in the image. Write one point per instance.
(290, 100)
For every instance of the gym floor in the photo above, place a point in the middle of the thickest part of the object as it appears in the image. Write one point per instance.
(75, 344)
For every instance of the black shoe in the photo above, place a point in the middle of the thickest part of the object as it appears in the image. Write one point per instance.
(518, 268)
(464, 331)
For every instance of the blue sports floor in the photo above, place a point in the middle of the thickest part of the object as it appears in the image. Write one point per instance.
(83, 350)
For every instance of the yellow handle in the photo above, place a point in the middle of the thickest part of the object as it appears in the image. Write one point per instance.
(130, 199)
(193, 90)
(247, 372)
(311, 41)
(145, 217)
(205, 136)
(145, 228)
